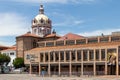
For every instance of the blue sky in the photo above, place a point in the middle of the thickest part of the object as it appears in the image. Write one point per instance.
(84, 17)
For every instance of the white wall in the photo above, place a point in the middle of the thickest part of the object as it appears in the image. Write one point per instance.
(9, 53)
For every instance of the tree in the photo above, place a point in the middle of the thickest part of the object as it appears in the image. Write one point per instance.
(18, 62)
(4, 59)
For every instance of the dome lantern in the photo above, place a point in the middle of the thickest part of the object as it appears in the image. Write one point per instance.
(41, 10)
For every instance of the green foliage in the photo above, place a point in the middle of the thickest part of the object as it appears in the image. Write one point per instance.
(18, 62)
(4, 59)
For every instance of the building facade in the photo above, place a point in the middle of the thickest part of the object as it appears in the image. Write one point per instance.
(3, 47)
(47, 53)
(11, 52)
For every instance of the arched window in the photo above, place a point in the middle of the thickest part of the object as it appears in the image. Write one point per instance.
(34, 21)
(34, 44)
(40, 30)
(35, 31)
(48, 31)
(41, 20)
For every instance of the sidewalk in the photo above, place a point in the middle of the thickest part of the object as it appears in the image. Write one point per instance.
(34, 77)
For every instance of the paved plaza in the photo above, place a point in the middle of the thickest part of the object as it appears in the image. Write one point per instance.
(34, 77)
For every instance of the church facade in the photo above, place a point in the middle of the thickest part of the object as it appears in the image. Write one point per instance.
(45, 52)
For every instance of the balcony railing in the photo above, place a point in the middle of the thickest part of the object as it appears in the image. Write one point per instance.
(79, 41)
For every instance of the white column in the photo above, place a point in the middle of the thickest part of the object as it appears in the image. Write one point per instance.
(106, 61)
(76, 56)
(49, 73)
(39, 69)
(117, 63)
(64, 56)
(30, 68)
(82, 70)
(39, 64)
(88, 57)
(59, 65)
(54, 56)
(94, 64)
(44, 57)
(100, 54)
(70, 63)
(70, 68)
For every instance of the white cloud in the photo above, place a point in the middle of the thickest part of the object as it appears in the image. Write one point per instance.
(66, 20)
(6, 43)
(69, 23)
(12, 24)
(92, 33)
(56, 1)
(99, 32)
(83, 1)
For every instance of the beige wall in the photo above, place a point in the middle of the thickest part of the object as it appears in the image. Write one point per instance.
(24, 44)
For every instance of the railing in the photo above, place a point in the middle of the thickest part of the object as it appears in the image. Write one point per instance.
(80, 41)
(67, 74)
(76, 73)
(89, 73)
(100, 73)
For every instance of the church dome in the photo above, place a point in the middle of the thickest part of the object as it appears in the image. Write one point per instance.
(41, 17)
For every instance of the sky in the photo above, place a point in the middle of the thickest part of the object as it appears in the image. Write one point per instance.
(83, 17)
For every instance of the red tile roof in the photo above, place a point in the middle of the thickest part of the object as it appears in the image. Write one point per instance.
(71, 36)
(52, 35)
(28, 34)
(10, 48)
(3, 46)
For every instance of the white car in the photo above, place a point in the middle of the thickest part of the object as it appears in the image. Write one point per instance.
(18, 70)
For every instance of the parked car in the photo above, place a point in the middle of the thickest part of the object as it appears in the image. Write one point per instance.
(18, 70)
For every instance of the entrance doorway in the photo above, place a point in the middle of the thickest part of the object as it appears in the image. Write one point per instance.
(111, 69)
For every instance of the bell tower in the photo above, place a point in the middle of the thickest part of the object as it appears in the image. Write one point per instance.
(41, 24)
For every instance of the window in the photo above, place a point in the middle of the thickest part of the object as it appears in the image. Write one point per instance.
(79, 55)
(94, 40)
(46, 56)
(34, 44)
(85, 56)
(40, 30)
(41, 20)
(35, 31)
(104, 39)
(41, 44)
(51, 56)
(70, 42)
(73, 55)
(97, 54)
(111, 54)
(82, 41)
(103, 54)
(48, 31)
(56, 56)
(12, 53)
(34, 21)
(91, 54)
(41, 57)
(27, 56)
(59, 43)
(115, 38)
(67, 56)
(62, 55)
(48, 44)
